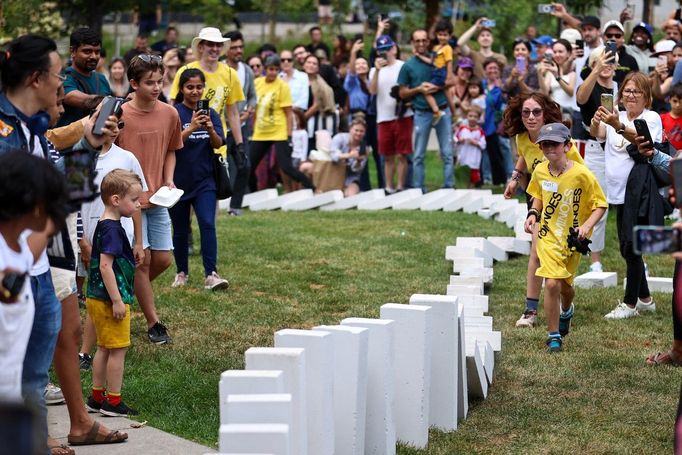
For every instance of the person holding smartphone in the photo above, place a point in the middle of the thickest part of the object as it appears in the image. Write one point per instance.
(616, 129)
(202, 133)
(522, 77)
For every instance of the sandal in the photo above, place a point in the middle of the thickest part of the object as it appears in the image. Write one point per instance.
(663, 358)
(61, 449)
(94, 437)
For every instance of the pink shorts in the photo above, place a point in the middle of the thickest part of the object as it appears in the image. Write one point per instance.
(395, 137)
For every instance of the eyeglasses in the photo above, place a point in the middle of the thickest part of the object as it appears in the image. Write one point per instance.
(148, 58)
(613, 35)
(536, 113)
(421, 41)
(212, 44)
(285, 59)
(61, 77)
(634, 93)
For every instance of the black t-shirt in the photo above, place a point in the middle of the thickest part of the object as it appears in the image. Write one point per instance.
(588, 109)
(626, 63)
(314, 47)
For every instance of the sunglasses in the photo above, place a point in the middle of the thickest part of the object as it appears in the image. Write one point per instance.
(526, 113)
(256, 65)
(286, 59)
(148, 58)
(613, 35)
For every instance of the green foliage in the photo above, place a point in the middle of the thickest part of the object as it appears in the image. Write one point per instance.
(216, 13)
(30, 16)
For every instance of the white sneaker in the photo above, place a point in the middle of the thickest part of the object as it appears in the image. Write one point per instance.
(622, 311)
(596, 267)
(53, 394)
(214, 282)
(180, 280)
(644, 307)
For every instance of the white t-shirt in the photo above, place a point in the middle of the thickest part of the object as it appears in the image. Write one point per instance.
(617, 161)
(388, 77)
(16, 320)
(42, 265)
(115, 158)
(299, 141)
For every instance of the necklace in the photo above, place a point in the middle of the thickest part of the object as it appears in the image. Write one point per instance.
(549, 168)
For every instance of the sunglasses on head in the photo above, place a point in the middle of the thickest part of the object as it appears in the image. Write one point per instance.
(148, 58)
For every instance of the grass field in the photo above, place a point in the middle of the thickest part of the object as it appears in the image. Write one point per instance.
(303, 269)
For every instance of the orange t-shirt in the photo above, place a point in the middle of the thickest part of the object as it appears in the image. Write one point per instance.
(150, 136)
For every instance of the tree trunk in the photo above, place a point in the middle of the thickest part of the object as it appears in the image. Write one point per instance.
(432, 8)
(648, 11)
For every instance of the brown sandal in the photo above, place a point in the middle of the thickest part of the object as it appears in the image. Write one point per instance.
(663, 358)
(93, 437)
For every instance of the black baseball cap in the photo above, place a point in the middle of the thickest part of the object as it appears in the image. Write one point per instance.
(591, 20)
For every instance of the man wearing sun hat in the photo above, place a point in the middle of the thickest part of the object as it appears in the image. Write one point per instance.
(223, 88)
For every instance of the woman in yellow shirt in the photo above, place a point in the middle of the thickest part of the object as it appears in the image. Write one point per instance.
(523, 118)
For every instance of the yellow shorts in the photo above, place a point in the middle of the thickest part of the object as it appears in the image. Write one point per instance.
(111, 333)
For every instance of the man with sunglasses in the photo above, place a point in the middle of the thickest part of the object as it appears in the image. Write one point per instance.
(614, 31)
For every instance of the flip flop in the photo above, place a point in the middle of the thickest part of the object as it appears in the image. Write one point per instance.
(61, 449)
(93, 437)
(663, 358)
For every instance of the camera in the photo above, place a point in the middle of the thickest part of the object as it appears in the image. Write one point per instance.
(488, 23)
(545, 8)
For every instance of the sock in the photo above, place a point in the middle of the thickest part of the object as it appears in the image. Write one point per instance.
(98, 394)
(554, 335)
(114, 399)
(532, 304)
(567, 314)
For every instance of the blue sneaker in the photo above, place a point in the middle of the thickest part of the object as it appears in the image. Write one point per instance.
(554, 344)
(565, 321)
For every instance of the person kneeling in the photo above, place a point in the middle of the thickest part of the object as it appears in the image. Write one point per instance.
(567, 201)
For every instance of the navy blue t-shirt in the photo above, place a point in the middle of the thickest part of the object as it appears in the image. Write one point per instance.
(194, 161)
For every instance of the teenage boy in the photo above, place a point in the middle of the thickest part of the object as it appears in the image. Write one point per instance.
(672, 121)
(485, 43)
(152, 134)
(83, 87)
(566, 196)
(111, 291)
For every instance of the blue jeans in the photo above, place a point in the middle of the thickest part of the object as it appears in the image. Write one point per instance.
(204, 207)
(505, 148)
(46, 325)
(422, 129)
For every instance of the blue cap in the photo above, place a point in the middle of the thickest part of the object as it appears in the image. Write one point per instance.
(545, 40)
(384, 42)
(649, 29)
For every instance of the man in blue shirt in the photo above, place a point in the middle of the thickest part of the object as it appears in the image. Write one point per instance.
(414, 83)
(83, 87)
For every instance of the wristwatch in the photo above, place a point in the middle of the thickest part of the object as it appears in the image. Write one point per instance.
(621, 130)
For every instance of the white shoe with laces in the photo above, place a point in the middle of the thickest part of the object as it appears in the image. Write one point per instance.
(596, 267)
(180, 280)
(214, 282)
(646, 307)
(622, 311)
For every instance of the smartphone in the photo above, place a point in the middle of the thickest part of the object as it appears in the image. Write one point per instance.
(381, 54)
(580, 44)
(610, 46)
(202, 105)
(358, 37)
(545, 8)
(13, 282)
(521, 64)
(676, 173)
(607, 101)
(643, 130)
(656, 240)
(112, 106)
(662, 60)
(548, 57)
(489, 23)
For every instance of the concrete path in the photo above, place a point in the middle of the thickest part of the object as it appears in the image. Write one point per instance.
(145, 440)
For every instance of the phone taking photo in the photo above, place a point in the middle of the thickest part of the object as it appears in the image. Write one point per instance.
(521, 64)
(202, 107)
(643, 130)
(656, 240)
(607, 101)
(111, 106)
(610, 46)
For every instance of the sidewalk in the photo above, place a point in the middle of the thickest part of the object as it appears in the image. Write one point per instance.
(145, 440)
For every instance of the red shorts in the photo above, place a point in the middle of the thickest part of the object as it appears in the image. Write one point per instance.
(395, 137)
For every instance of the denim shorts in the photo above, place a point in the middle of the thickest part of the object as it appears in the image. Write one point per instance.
(156, 229)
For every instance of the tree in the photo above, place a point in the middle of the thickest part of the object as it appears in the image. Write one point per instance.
(30, 16)
(91, 13)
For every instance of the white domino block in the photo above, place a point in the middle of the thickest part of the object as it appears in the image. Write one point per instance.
(443, 398)
(512, 244)
(264, 408)
(278, 202)
(458, 280)
(463, 263)
(473, 299)
(427, 199)
(488, 355)
(354, 201)
(488, 248)
(292, 362)
(392, 200)
(484, 213)
(485, 274)
(457, 200)
(319, 370)
(499, 205)
(596, 280)
(462, 289)
(350, 387)
(478, 322)
(380, 437)
(476, 379)
(656, 284)
(437, 199)
(462, 388)
(473, 205)
(412, 357)
(314, 202)
(454, 253)
(235, 382)
(270, 438)
(259, 196)
(485, 334)
(491, 199)
(520, 233)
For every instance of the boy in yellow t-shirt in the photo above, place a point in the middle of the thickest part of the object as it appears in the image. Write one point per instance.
(565, 195)
(442, 71)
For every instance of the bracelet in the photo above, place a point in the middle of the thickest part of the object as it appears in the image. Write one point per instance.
(533, 212)
(516, 174)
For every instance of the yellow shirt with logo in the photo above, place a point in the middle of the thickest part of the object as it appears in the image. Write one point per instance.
(443, 56)
(271, 121)
(567, 201)
(532, 153)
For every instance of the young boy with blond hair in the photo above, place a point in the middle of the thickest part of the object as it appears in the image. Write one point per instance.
(111, 291)
(567, 199)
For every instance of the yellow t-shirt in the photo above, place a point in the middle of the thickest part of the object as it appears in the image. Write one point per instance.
(443, 56)
(532, 153)
(271, 122)
(567, 201)
(222, 88)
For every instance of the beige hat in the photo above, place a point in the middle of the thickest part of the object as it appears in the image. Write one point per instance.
(211, 34)
(571, 35)
(663, 47)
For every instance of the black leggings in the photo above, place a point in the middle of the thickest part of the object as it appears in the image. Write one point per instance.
(637, 285)
(677, 302)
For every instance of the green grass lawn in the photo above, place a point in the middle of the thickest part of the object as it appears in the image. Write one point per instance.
(299, 270)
